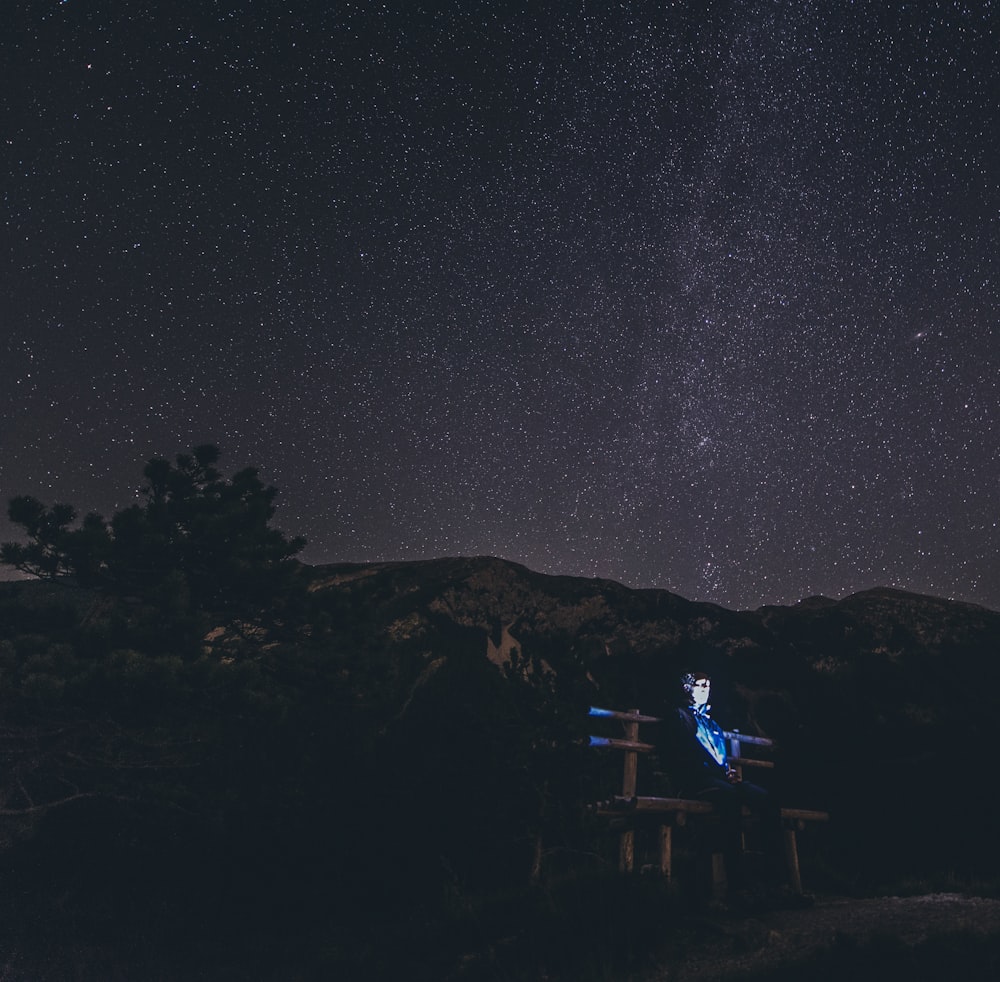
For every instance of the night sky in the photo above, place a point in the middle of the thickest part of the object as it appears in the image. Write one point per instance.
(700, 296)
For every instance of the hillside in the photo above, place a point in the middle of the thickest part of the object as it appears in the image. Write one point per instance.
(403, 755)
(856, 691)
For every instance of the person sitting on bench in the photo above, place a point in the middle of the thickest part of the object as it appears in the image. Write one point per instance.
(699, 761)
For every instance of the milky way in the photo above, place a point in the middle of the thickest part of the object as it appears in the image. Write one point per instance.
(700, 296)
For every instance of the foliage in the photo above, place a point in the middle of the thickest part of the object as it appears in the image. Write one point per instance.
(185, 796)
(48, 552)
(198, 552)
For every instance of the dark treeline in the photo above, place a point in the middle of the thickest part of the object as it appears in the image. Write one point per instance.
(219, 763)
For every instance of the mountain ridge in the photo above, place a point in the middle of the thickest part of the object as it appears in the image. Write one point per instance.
(485, 561)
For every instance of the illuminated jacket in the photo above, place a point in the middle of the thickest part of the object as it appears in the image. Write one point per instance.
(697, 753)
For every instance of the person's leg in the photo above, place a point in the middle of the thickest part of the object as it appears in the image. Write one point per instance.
(727, 839)
(766, 815)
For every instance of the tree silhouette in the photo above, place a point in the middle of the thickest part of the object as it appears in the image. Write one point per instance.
(200, 547)
(47, 553)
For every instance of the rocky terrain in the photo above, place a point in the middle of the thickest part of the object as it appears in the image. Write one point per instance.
(755, 945)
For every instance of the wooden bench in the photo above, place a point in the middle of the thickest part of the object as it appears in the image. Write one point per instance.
(628, 808)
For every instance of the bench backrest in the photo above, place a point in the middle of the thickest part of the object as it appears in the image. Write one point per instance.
(632, 745)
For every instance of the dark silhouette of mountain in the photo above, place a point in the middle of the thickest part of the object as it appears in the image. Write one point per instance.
(499, 596)
(883, 634)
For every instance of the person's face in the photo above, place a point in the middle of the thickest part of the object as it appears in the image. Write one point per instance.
(700, 692)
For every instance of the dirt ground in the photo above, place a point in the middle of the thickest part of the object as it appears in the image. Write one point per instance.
(736, 945)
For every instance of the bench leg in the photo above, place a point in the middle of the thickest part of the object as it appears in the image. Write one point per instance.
(626, 852)
(720, 884)
(792, 859)
(666, 851)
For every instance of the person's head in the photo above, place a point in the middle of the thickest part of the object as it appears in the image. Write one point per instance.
(698, 687)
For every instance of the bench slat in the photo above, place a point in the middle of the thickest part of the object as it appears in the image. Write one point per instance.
(692, 806)
(628, 717)
(805, 814)
(598, 741)
(750, 762)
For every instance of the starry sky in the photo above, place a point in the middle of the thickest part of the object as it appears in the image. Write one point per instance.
(692, 295)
